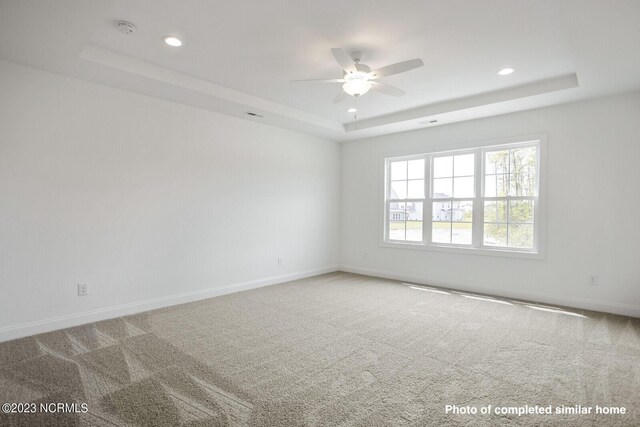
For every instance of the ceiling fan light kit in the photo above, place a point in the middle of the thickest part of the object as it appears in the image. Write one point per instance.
(357, 84)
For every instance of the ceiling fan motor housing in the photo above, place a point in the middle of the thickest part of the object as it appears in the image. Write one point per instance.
(363, 68)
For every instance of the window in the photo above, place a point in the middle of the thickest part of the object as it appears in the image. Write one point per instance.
(485, 198)
(407, 192)
(510, 191)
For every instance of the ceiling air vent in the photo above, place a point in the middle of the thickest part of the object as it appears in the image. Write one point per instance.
(428, 122)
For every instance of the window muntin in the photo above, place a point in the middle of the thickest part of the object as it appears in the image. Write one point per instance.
(484, 198)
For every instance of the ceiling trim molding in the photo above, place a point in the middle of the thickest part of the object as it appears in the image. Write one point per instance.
(488, 98)
(131, 65)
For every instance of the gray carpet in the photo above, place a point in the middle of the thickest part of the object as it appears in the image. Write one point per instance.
(336, 349)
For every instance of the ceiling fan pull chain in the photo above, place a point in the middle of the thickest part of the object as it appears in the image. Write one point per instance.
(355, 113)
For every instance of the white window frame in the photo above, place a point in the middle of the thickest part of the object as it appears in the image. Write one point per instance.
(477, 247)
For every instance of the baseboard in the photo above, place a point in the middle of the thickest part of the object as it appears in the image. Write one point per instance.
(46, 325)
(559, 300)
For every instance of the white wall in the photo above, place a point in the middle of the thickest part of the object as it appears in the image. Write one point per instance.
(148, 202)
(593, 208)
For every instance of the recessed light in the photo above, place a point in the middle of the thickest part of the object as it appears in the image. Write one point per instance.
(506, 71)
(352, 110)
(172, 41)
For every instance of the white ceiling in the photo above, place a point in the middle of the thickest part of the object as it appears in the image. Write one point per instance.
(240, 55)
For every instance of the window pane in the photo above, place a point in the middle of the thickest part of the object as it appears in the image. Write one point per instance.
(462, 211)
(398, 170)
(462, 216)
(521, 211)
(523, 160)
(495, 234)
(463, 187)
(490, 186)
(442, 188)
(397, 211)
(441, 232)
(464, 165)
(398, 190)
(396, 230)
(416, 169)
(414, 211)
(461, 233)
(397, 217)
(414, 221)
(416, 189)
(441, 225)
(522, 184)
(496, 162)
(523, 171)
(521, 236)
(441, 211)
(414, 231)
(495, 211)
(495, 185)
(400, 208)
(442, 166)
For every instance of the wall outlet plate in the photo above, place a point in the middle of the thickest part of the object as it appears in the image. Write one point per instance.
(83, 289)
(280, 260)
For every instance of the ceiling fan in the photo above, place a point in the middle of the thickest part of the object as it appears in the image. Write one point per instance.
(358, 78)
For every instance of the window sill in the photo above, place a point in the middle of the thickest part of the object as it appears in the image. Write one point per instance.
(465, 250)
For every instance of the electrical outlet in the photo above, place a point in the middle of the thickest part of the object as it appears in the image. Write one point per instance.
(593, 280)
(280, 260)
(83, 289)
(365, 255)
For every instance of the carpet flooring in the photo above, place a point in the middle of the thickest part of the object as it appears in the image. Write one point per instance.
(336, 349)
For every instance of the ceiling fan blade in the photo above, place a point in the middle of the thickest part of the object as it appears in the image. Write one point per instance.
(341, 96)
(344, 60)
(398, 67)
(387, 89)
(319, 81)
